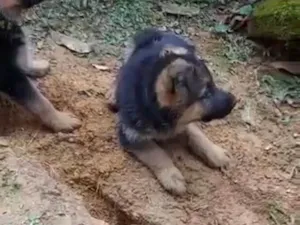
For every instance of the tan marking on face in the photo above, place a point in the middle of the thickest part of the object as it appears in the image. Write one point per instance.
(192, 113)
(163, 89)
(164, 84)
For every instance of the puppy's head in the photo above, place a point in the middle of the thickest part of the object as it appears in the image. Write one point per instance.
(186, 86)
(12, 9)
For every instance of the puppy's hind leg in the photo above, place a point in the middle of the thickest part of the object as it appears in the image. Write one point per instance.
(110, 96)
(19, 88)
(213, 154)
(111, 93)
(156, 159)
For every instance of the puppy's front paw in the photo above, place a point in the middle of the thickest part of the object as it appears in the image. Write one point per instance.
(172, 180)
(218, 157)
(63, 122)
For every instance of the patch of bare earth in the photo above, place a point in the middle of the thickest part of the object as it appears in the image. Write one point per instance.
(30, 196)
(118, 189)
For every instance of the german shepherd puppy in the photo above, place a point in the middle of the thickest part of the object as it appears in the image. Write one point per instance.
(17, 67)
(164, 89)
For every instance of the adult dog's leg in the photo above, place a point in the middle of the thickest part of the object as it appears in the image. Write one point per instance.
(18, 86)
(32, 67)
(214, 155)
(156, 159)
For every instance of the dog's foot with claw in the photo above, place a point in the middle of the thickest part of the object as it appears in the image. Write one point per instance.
(172, 180)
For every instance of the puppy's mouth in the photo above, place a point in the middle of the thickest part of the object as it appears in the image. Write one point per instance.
(206, 119)
(223, 112)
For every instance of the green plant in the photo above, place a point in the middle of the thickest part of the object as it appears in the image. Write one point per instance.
(281, 87)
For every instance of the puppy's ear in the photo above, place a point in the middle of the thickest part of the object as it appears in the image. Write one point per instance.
(11, 9)
(170, 80)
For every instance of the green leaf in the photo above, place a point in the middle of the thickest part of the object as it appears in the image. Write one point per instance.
(246, 10)
(221, 28)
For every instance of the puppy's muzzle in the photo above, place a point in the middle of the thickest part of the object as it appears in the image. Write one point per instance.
(219, 105)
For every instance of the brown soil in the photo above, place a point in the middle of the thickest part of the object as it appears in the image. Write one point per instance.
(258, 188)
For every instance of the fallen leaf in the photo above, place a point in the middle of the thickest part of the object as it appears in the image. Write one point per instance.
(175, 9)
(291, 67)
(102, 68)
(221, 28)
(71, 43)
(246, 10)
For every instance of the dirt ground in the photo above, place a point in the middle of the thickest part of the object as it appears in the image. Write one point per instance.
(261, 186)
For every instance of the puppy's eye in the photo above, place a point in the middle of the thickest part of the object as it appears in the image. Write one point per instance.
(205, 93)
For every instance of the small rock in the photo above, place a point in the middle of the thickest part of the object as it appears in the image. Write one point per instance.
(39, 45)
(63, 220)
(269, 147)
(164, 28)
(71, 140)
(98, 222)
(3, 142)
(178, 31)
(191, 31)
(296, 135)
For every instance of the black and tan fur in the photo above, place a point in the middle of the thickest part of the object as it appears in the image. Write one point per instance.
(164, 89)
(17, 68)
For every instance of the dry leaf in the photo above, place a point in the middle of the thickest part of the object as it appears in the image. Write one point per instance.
(291, 67)
(175, 9)
(71, 43)
(100, 67)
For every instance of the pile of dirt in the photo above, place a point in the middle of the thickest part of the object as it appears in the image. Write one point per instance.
(30, 196)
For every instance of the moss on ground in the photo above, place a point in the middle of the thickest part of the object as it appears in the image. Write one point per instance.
(278, 19)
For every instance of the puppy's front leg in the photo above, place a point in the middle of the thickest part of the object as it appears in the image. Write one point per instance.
(156, 159)
(214, 155)
(20, 89)
(32, 67)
